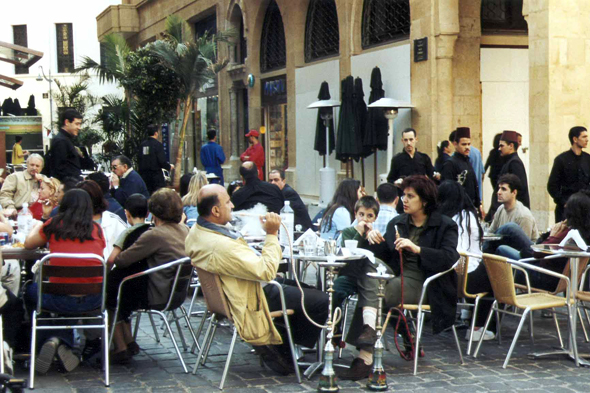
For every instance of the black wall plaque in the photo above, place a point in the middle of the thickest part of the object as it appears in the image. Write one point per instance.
(421, 49)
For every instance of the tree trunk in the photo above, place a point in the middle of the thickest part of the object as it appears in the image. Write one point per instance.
(175, 131)
(177, 166)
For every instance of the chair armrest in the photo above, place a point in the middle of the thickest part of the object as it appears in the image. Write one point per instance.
(526, 276)
(528, 266)
(431, 279)
(281, 292)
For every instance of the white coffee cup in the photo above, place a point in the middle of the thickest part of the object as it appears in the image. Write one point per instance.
(351, 244)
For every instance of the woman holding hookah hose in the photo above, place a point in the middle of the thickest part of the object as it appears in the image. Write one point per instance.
(426, 244)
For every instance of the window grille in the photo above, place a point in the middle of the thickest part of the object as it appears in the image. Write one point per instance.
(385, 21)
(273, 52)
(322, 38)
(19, 34)
(103, 54)
(502, 16)
(65, 48)
(243, 42)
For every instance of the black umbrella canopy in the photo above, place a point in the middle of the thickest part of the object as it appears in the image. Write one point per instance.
(375, 136)
(346, 142)
(7, 106)
(360, 117)
(17, 110)
(320, 129)
(31, 111)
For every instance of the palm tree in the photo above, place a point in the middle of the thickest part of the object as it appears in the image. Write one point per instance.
(195, 62)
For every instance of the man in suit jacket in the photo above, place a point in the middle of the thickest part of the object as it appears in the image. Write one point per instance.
(125, 181)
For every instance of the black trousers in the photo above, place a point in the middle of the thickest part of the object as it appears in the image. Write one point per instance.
(477, 282)
(154, 180)
(134, 294)
(316, 304)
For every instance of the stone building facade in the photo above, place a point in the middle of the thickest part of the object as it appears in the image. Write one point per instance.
(491, 65)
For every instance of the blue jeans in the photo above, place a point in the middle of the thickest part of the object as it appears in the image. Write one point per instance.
(514, 244)
(60, 304)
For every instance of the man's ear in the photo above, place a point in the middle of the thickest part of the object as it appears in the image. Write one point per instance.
(215, 211)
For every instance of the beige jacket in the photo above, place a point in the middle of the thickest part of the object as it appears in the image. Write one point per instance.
(239, 268)
(17, 189)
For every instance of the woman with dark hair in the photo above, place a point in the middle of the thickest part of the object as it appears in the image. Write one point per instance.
(72, 230)
(454, 203)
(428, 244)
(111, 224)
(159, 245)
(340, 211)
(444, 154)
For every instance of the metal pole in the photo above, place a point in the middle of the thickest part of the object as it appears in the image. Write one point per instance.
(50, 101)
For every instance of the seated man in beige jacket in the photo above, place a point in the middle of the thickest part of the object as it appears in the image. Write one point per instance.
(218, 249)
(21, 187)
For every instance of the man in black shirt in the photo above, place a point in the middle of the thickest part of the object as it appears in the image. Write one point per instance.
(256, 191)
(64, 157)
(570, 172)
(509, 143)
(459, 169)
(277, 178)
(410, 161)
(152, 160)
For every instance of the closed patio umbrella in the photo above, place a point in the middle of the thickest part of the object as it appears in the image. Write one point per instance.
(320, 129)
(360, 121)
(347, 144)
(375, 136)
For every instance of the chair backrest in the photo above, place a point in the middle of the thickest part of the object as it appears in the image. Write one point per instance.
(182, 279)
(562, 284)
(500, 276)
(461, 270)
(213, 293)
(71, 272)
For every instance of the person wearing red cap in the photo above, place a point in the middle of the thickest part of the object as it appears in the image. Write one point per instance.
(459, 168)
(254, 153)
(509, 143)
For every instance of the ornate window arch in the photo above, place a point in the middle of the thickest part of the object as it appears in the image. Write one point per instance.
(273, 51)
(322, 37)
(385, 21)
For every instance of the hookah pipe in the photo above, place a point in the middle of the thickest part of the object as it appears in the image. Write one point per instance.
(401, 316)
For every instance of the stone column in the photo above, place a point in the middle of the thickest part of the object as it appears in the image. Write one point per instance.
(559, 65)
(233, 104)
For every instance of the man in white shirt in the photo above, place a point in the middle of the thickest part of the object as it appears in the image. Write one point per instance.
(513, 221)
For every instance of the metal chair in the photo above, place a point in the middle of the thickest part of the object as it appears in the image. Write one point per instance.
(48, 271)
(500, 273)
(178, 291)
(462, 274)
(422, 308)
(218, 306)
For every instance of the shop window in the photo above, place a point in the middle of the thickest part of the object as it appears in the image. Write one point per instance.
(103, 54)
(19, 34)
(273, 52)
(498, 16)
(385, 21)
(322, 37)
(65, 47)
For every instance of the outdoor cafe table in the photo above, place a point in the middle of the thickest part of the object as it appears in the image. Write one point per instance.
(574, 255)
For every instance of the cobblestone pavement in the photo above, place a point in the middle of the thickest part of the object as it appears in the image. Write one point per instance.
(157, 369)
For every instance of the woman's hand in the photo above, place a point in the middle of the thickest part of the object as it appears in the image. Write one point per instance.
(406, 244)
(47, 208)
(375, 237)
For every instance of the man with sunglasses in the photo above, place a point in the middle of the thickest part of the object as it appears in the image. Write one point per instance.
(125, 181)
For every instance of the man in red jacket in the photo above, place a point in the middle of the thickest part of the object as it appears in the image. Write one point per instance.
(254, 153)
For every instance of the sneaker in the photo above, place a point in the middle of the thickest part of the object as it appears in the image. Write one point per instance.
(91, 348)
(367, 337)
(358, 370)
(46, 354)
(67, 358)
(489, 335)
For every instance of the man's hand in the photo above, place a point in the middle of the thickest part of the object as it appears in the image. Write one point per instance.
(375, 237)
(38, 176)
(171, 167)
(271, 223)
(114, 180)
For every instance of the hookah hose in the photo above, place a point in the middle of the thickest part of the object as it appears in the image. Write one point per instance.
(401, 316)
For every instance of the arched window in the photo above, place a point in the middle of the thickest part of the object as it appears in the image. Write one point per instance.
(499, 16)
(321, 31)
(273, 53)
(385, 21)
(239, 46)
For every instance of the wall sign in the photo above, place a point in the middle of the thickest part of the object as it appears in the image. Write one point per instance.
(421, 49)
(274, 90)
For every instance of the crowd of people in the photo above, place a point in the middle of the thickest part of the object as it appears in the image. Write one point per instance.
(416, 226)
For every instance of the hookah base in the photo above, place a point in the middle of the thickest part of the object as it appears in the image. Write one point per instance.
(377, 380)
(328, 383)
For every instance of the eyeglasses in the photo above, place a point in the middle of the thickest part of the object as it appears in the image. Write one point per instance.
(238, 182)
(115, 166)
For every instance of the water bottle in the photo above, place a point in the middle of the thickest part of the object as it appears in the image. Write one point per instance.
(24, 219)
(288, 218)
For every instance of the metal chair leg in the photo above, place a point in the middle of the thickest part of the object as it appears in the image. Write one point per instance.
(202, 351)
(154, 325)
(291, 346)
(199, 330)
(169, 329)
(343, 325)
(531, 329)
(472, 329)
(488, 319)
(522, 319)
(557, 329)
(229, 355)
(458, 344)
(177, 323)
(137, 319)
(33, 351)
(583, 326)
(420, 318)
(105, 341)
(215, 324)
(185, 315)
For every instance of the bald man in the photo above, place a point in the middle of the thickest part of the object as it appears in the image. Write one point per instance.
(215, 248)
(21, 187)
(257, 191)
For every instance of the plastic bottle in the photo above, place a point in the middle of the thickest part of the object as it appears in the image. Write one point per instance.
(24, 219)
(288, 218)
